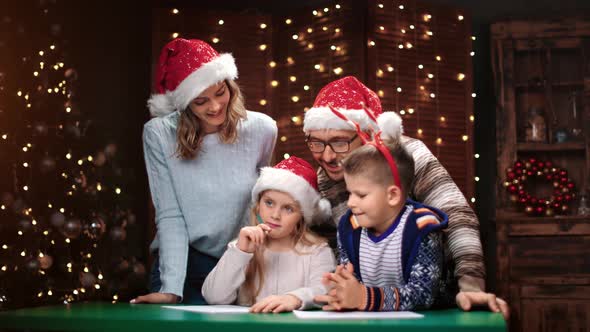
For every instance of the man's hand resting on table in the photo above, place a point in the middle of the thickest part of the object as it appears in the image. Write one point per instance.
(467, 300)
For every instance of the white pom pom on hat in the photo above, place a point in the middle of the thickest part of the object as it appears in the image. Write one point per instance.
(390, 124)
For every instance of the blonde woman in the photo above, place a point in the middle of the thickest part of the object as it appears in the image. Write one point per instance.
(202, 151)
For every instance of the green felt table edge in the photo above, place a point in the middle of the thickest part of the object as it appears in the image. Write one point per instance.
(103, 316)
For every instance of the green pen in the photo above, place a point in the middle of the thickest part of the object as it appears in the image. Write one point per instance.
(260, 222)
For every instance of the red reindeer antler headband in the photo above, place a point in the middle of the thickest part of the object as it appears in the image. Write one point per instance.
(376, 141)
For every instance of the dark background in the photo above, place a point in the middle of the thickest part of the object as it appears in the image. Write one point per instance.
(110, 46)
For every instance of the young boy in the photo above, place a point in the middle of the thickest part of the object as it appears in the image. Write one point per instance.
(390, 247)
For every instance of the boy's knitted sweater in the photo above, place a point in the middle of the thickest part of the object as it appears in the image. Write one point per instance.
(400, 268)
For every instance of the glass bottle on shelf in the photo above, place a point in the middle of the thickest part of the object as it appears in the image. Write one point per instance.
(584, 209)
(535, 129)
(576, 129)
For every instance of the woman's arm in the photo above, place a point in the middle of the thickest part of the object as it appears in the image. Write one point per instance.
(172, 233)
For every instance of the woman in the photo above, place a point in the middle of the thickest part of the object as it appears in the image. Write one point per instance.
(202, 152)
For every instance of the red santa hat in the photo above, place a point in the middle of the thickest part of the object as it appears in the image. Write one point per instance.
(185, 69)
(297, 178)
(349, 96)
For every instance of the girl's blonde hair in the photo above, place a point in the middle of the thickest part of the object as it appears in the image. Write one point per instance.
(256, 267)
(189, 135)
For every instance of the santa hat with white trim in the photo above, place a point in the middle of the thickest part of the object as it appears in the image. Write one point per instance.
(349, 96)
(185, 69)
(297, 178)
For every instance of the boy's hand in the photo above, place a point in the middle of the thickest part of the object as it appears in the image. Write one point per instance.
(277, 303)
(345, 292)
(251, 237)
(348, 292)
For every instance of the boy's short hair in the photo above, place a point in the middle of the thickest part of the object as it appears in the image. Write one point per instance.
(369, 162)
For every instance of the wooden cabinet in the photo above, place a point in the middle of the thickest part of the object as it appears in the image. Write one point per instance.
(542, 81)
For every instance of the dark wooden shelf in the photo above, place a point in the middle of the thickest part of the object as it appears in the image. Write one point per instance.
(565, 146)
(564, 84)
(507, 216)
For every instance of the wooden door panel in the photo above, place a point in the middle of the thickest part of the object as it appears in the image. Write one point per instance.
(555, 315)
(548, 256)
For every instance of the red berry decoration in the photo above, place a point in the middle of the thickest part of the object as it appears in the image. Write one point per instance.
(553, 176)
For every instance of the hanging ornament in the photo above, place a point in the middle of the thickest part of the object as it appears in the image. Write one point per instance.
(72, 130)
(18, 205)
(57, 219)
(81, 180)
(110, 150)
(532, 169)
(138, 270)
(40, 129)
(47, 164)
(99, 159)
(131, 218)
(24, 225)
(72, 228)
(71, 74)
(32, 266)
(7, 199)
(45, 261)
(118, 233)
(87, 279)
(122, 265)
(96, 228)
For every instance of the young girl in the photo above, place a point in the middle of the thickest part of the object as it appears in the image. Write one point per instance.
(276, 264)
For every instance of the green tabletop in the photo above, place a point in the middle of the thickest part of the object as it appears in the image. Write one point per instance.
(150, 317)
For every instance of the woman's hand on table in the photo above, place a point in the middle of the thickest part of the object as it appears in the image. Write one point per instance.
(156, 298)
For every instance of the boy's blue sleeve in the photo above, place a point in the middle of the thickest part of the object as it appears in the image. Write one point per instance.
(420, 291)
(342, 256)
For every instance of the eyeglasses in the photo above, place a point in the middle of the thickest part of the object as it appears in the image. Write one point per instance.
(338, 146)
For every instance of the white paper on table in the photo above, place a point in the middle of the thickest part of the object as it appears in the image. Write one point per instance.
(211, 309)
(336, 315)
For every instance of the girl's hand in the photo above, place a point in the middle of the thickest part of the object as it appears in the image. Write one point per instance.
(277, 303)
(251, 237)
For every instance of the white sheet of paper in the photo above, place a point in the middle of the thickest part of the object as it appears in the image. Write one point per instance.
(211, 309)
(337, 315)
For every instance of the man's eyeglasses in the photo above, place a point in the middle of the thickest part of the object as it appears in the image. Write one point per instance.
(338, 146)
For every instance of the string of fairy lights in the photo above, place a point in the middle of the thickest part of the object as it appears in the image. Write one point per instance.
(419, 27)
(427, 79)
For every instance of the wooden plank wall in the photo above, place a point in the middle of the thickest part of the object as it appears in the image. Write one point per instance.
(336, 37)
(420, 50)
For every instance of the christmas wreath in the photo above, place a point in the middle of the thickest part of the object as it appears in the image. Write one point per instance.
(522, 172)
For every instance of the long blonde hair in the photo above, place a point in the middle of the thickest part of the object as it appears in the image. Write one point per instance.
(189, 135)
(256, 267)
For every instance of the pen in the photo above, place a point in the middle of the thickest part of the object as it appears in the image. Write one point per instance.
(260, 222)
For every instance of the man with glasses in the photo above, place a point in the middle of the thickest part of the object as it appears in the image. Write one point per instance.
(330, 138)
